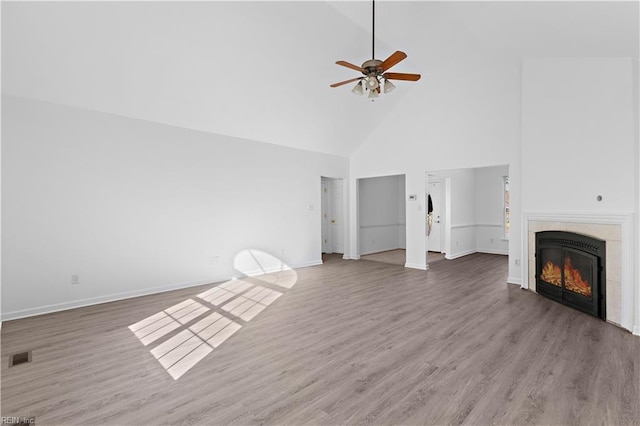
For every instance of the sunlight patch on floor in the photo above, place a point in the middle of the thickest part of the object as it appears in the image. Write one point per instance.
(218, 295)
(159, 325)
(192, 343)
(184, 350)
(251, 303)
(286, 278)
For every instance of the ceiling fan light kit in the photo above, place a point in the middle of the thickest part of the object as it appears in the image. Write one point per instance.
(375, 71)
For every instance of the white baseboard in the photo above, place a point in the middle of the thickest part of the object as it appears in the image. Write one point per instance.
(381, 250)
(275, 269)
(514, 280)
(310, 263)
(457, 255)
(636, 330)
(493, 251)
(57, 307)
(416, 266)
(346, 257)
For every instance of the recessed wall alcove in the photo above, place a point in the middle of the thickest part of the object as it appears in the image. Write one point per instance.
(615, 231)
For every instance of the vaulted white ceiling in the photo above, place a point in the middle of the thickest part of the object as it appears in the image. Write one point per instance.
(261, 70)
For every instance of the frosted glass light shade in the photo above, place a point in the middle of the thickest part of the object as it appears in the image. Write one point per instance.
(372, 82)
(388, 86)
(357, 89)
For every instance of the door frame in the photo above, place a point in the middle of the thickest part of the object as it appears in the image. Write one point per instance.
(445, 220)
(328, 206)
(437, 179)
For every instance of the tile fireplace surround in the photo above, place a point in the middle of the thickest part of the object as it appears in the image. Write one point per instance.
(615, 230)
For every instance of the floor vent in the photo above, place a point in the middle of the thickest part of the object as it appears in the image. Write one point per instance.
(21, 358)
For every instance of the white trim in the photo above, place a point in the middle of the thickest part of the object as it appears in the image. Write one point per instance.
(347, 257)
(514, 280)
(461, 254)
(636, 330)
(471, 225)
(463, 225)
(493, 251)
(57, 307)
(381, 250)
(615, 218)
(283, 267)
(307, 264)
(416, 266)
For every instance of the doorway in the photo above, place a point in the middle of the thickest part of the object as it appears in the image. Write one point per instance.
(473, 212)
(332, 215)
(435, 214)
(382, 219)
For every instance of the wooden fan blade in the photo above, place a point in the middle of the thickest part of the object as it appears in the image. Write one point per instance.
(395, 57)
(349, 65)
(401, 76)
(346, 82)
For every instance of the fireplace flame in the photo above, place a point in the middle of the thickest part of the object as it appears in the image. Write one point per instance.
(552, 274)
(573, 280)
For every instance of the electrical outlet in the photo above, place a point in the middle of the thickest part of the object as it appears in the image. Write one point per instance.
(75, 279)
(215, 260)
(517, 262)
(457, 243)
(491, 240)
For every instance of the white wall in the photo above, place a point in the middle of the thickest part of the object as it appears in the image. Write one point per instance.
(135, 207)
(463, 113)
(490, 236)
(382, 214)
(578, 135)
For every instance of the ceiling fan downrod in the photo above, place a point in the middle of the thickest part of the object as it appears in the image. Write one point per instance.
(373, 29)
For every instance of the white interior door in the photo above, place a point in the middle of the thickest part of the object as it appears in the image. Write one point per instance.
(337, 215)
(434, 240)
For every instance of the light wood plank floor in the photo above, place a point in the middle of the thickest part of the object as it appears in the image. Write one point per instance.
(398, 257)
(352, 342)
(395, 257)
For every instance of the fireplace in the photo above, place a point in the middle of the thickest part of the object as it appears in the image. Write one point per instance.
(570, 269)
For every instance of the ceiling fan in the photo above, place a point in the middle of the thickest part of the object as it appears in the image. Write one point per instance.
(375, 71)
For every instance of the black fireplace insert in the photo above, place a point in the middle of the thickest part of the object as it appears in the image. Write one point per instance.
(570, 269)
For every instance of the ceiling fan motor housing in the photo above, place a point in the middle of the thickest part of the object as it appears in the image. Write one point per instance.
(372, 66)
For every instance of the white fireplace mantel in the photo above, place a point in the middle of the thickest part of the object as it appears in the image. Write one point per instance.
(625, 301)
